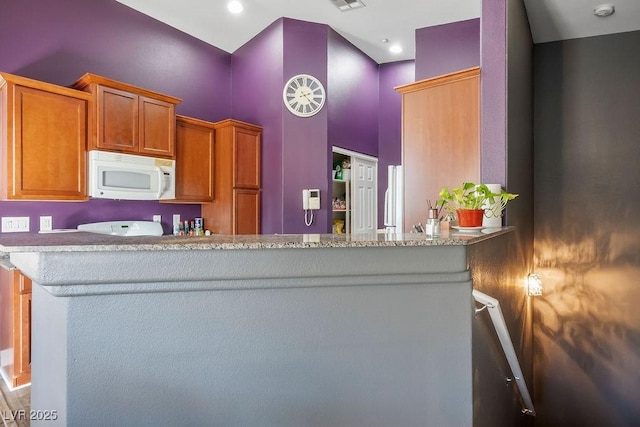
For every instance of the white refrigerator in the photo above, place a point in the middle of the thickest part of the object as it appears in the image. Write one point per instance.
(393, 202)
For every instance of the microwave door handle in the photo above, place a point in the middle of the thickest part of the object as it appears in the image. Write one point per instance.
(160, 181)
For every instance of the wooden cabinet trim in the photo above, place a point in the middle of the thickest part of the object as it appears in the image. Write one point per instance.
(237, 123)
(89, 78)
(24, 284)
(49, 87)
(439, 80)
(15, 339)
(22, 338)
(193, 121)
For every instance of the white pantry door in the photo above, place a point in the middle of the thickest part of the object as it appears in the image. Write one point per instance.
(364, 195)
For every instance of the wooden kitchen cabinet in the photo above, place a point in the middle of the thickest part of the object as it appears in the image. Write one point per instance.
(237, 184)
(194, 160)
(440, 138)
(246, 204)
(43, 139)
(129, 119)
(15, 326)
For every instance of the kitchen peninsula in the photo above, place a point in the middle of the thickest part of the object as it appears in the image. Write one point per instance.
(272, 330)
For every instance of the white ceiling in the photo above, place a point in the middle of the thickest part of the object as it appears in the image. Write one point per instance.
(395, 20)
(553, 20)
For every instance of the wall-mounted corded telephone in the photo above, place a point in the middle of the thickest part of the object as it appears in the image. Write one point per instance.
(310, 202)
(311, 199)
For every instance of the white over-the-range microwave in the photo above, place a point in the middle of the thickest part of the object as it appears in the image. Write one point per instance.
(131, 177)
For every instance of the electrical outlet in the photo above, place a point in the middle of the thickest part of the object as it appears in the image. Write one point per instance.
(176, 219)
(15, 224)
(46, 223)
(157, 218)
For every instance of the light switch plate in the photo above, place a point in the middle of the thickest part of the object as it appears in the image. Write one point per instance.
(157, 218)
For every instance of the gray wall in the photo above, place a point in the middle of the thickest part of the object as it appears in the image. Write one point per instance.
(587, 231)
(497, 271)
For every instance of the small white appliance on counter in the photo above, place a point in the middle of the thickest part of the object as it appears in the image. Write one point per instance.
(393, 200)
(130, 177)
(123, 228)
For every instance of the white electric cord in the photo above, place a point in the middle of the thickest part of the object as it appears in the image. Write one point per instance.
(307, 221)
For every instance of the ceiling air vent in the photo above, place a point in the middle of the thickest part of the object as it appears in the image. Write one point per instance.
(345, 5)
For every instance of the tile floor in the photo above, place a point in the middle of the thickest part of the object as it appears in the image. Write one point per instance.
(14, 406)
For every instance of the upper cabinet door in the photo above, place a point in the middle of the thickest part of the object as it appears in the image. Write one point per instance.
(130, 119)
(46, 146)
(194, 160)
(117, 119)
(157, 127)
(246, 151)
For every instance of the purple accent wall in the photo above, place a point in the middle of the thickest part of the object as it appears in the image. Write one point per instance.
(70, 214)
(493, 89)
(296, 151)
(59, 41)
(390, 75)
(304, 143)
(257, 69)
(353, 106)
(447, 48)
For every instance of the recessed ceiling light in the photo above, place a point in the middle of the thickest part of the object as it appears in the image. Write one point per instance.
(396, 48)
(604, 10)
(234, 6)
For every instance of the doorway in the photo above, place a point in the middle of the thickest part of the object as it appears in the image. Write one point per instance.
(354, 192)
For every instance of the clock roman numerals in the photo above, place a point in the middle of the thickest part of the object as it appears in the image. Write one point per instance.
(303, 95)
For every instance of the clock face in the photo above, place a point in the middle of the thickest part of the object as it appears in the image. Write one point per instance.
(303, 95)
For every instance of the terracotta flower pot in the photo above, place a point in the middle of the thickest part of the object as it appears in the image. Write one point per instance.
(470, 217)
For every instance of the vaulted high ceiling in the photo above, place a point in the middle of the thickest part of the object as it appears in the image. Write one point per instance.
(366, 27)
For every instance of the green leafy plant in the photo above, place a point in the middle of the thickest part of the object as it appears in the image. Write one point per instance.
(474, 196)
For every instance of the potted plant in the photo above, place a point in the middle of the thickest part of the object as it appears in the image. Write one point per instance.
(470, 201)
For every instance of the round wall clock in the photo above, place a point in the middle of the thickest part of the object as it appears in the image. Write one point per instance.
(303, 95)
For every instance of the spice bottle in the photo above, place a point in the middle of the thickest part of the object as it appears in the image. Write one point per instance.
(432, 226)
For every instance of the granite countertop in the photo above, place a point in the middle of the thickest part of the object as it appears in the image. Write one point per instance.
(91, 242)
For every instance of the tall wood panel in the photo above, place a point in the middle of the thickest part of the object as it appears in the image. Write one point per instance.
(440, 138)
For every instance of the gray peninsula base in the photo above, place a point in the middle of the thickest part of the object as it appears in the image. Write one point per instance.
(346, 336)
